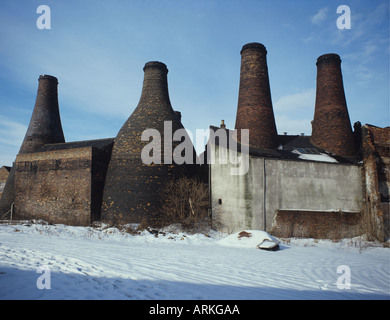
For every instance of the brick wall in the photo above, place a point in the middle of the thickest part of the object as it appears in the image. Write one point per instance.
(4, 173)
(54, 186)
(316, 224)
(376, 178)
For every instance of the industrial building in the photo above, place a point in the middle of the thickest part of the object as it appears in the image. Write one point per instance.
(305, 186)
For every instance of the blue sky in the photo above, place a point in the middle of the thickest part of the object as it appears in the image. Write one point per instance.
(97, 50)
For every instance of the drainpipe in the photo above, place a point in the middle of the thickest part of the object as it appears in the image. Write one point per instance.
(12, 209)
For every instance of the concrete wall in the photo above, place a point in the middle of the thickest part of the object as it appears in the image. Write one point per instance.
(54, 186)
(238, 200)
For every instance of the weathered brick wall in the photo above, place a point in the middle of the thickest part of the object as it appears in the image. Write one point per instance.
(4, 173)
(100, 160)
(45, 124)
(133, 189)
(44, 128)
(381, 139)
(376, 178)
(54, 186)
(316, 224)
(331, 127)
(254, 110)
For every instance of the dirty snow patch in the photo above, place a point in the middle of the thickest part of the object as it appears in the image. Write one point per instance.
(250, 239)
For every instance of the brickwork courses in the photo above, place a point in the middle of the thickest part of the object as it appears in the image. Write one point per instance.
(4, 173)
(45, 127)
(106, 180)
(376, 179)
(133, 188)
(331, 127)
(254, 110)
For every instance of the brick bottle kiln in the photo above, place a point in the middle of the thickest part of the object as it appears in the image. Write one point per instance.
(254, 111)
(132, 190)
(45, 127)
(331, 127)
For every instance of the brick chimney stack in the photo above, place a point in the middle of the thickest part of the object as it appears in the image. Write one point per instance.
(331, 127)
(44, 128)
(132, 189)
(255, 111)
(45, 124)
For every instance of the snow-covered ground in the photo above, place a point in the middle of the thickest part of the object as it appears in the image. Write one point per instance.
(105, 263)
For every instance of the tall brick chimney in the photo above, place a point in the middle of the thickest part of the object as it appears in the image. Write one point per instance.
(45, 127)
(45, 124)
(132, 190)
(331, 127)
(255, 111)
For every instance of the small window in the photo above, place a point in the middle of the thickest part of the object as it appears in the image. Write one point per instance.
(219, 201)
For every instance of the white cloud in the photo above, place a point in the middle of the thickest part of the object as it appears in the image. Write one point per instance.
(12, 132)
(320, 16)
(296, 101)
(11, 138)
(294, 112)
(293, 126)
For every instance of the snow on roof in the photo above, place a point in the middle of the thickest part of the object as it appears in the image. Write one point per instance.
(322, 157)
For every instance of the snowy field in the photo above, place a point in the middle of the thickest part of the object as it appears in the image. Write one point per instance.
(40, 261)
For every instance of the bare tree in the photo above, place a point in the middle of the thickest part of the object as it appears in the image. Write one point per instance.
(186, 201)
